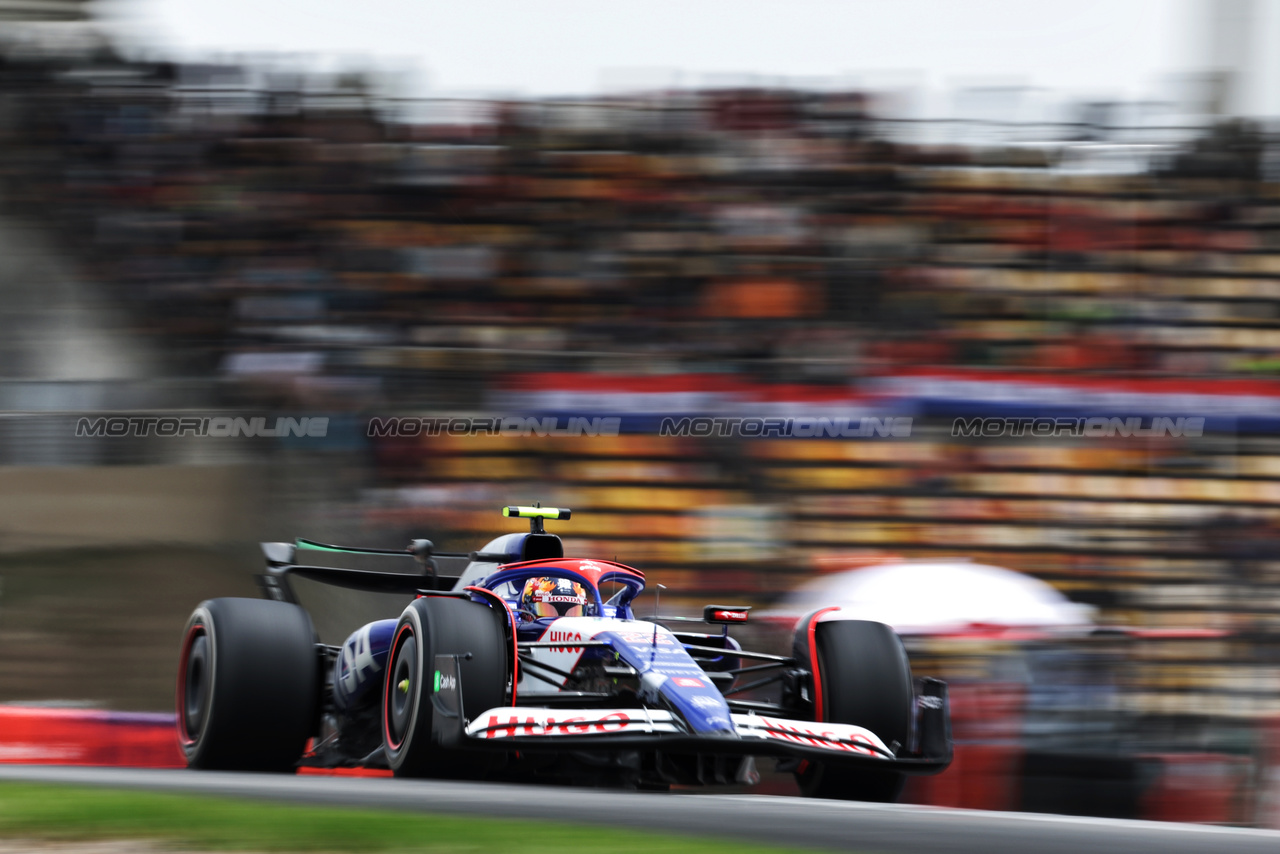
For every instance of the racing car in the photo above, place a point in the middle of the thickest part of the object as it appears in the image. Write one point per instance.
(529, 665)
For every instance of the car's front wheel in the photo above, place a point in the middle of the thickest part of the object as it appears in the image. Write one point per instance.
(861, 676)
(473, 636)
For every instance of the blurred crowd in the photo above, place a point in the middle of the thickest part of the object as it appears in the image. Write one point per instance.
(310, 243)
(313, 239)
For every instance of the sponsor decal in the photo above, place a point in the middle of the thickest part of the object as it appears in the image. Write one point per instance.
(675, 670)
(445, 681)
(688, 682)
(927, 702)
(500, 723)
(731, 616)
(557, 635)
(357, 659)
(840, 737)
(534, 722)
(646, 638)
(702, 701)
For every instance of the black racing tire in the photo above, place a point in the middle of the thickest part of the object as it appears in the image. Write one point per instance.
(248, 685)
(866, 681)
(431, 626)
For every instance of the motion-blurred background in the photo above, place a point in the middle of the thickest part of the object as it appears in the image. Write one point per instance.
(1071, 213)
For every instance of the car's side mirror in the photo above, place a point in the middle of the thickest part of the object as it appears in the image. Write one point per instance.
(726, 614)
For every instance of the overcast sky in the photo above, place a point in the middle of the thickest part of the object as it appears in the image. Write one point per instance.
(1123, 49)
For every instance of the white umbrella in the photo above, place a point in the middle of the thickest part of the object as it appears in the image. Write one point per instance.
(933, 597)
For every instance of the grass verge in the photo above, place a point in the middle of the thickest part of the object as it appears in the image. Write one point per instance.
(58, 812)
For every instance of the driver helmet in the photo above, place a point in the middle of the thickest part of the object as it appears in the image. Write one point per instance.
(553, 597)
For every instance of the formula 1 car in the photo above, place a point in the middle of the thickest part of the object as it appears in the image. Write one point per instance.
(531, 665)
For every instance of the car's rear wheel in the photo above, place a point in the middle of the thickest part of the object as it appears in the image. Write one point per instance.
(440, 626)
(861, 677)
(248, 685)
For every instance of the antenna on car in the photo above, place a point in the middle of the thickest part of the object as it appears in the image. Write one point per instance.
(536, 514)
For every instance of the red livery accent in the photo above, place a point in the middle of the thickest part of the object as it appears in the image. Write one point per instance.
(726, 613)
(568, 637)
(813, 661)
(513, 726)
(386, 690)
(591, 569)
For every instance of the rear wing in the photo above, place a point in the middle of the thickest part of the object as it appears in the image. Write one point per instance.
(416, 569)
(430, 571)
(419, 568)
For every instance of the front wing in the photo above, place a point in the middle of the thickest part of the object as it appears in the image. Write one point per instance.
(639, 728)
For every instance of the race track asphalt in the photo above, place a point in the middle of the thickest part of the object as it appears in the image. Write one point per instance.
(787, 821)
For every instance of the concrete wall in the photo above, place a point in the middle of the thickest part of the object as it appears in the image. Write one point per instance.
(56, 507)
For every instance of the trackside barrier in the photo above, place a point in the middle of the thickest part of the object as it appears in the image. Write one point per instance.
(1209, 788)
(37, 735)
(34, 735)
